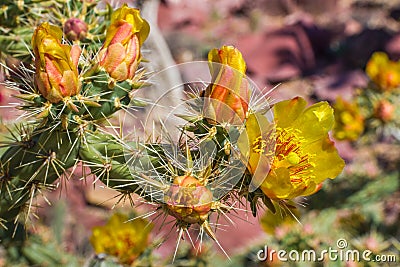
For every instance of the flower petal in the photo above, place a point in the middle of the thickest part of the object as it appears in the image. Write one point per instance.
(315, 122)
(286, 112)
(328, 163)
(114, 56)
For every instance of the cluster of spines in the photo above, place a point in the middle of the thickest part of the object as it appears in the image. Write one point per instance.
(17, 18)
(62, 135)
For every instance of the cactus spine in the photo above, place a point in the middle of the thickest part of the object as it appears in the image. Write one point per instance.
(63, 133)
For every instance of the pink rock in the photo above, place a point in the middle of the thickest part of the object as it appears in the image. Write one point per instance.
(278, 55)
(392, 47)
(340, 82)
(179, 13)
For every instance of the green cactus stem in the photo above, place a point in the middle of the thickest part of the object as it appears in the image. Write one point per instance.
(34, 163)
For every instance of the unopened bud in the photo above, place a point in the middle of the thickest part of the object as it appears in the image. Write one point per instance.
(227, 96)
(384, 110)
(75, 29)
(120, 55)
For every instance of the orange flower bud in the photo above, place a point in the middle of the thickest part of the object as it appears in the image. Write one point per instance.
(56, 64)
(120, 55)
(384, 110)
(188, 200)
(227, 96)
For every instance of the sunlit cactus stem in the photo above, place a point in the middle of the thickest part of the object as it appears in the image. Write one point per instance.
(105, 155)
(32, 164)
(83, 22)
(68, 97)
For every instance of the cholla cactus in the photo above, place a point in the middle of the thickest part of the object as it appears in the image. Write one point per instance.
(377, 102)
(67, 106)
(229, 147)
(82, 21)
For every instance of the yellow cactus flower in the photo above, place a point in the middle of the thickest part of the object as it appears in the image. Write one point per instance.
(227, 96)
(120, 54)
(383, 72)
(349, 123)
(270, 222)
(303, 155)
(56, 64)
(121, 238)
(188, 200)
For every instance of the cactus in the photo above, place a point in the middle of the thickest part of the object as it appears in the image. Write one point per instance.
(65, 129)
(18, 17)
(372, 115)
(228, 149)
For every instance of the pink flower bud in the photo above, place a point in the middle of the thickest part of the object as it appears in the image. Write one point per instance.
(75, 29)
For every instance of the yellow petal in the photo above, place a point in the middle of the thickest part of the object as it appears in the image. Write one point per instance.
(255, 125)
(315, 122)
(132, 16)
(227, 55)
(377, 61)
(260, 166)
(328, 163)
(270, 221)
(278, 185)
(143, 32)
(286, 112)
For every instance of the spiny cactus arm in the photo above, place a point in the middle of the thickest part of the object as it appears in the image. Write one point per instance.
(106, 158)
(108, 95)
(121, 166)
(29, 166)
(18, 17)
